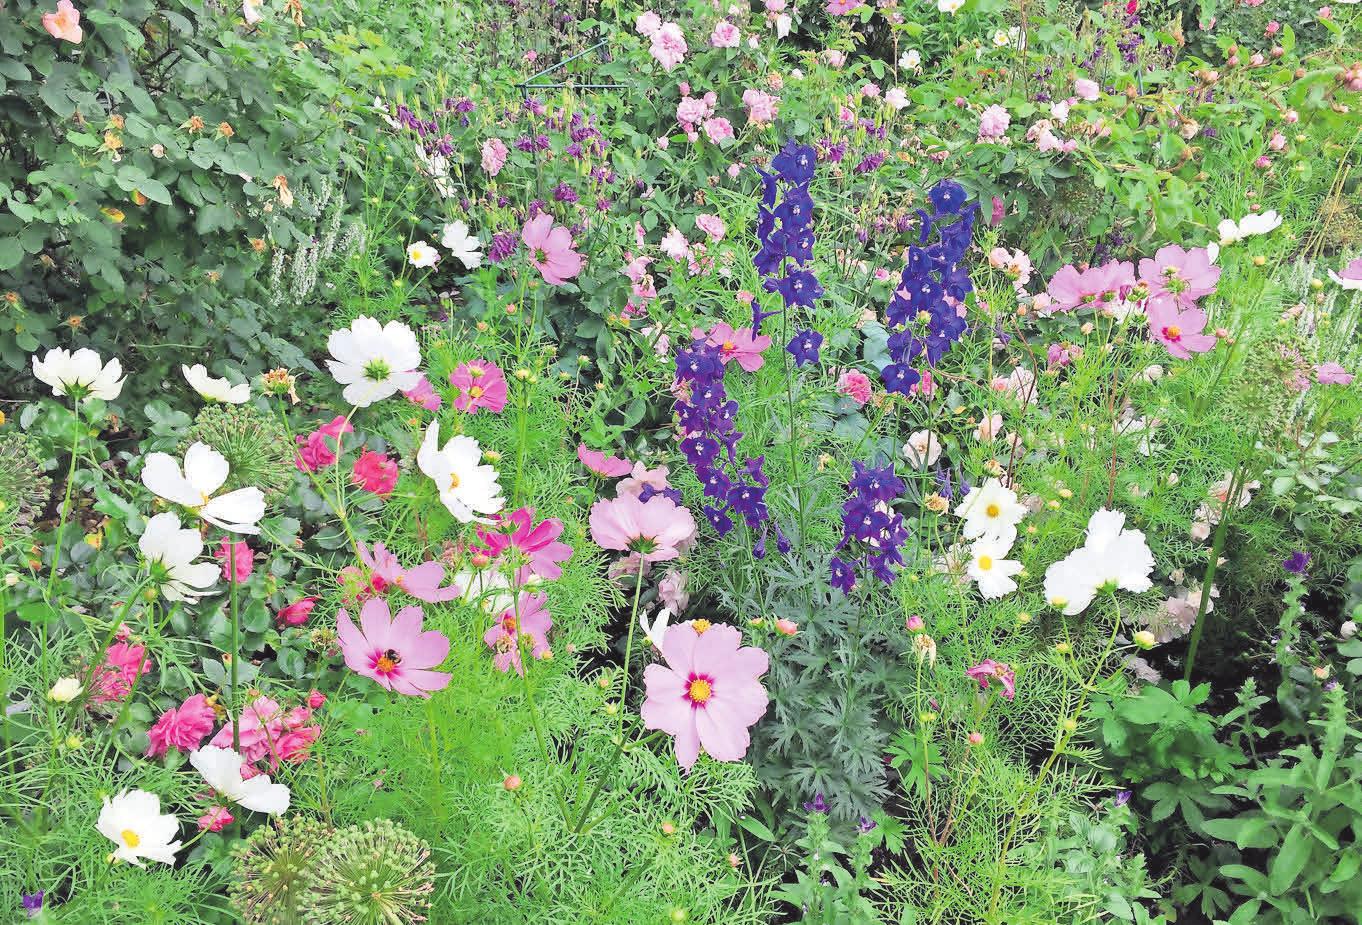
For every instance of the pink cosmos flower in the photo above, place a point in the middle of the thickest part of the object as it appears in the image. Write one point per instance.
(316, 452)
(669, 46)
(713, 227)
(183, 727)
(1177, 327)
(1095, 287)
(551, 250)
(536, 542)
(725, 35)
(736, 345)
(761, 107)
(707, 694)
(504, 637)
(855, 385)
(842, 7)
(642, 477)
(599, 463)
(296, 614)
(374, 472)
(423, 394)
(1332, 374)
(719, 130)
(216, 819)
(64, 24)
(654, 530)
(421, 582)
(988, 671)
(1186, 275)
(393, 651)
(481, 384)
(123, 664)
(494, 153)
(238, 560)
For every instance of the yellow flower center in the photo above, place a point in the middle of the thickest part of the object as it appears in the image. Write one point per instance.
(453, 480)
(699, 690)
(700, 626)
(729, 346)
(1172, 332)
(476, 391)
(130, 838)
(985, 562)
(385, 665)
(993, 510)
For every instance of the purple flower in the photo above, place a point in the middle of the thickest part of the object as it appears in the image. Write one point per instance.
(1297, 562)
(816, 805)
(1122, 798)
(795, 164)
(865, 825)
(804, 347)
(504, 244)
(32, 902)
(842, 576)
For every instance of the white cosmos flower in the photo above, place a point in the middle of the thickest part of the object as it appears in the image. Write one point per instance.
(422, 255)
(215, 389)
(922, 449)
(655, 629)
(250, 11)
(81, 374)
(950, 6)
(991, 511)
(1250, 225)
(205, 471)
(374, 361)
(990, 568)
(133, 821)
(462, 245)
(221, 768)
(911, 60)
(174, 550)
(1111, 557)
(467, 487)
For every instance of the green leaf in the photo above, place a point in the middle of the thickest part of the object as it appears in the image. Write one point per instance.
(1287, 865)
(757, 828)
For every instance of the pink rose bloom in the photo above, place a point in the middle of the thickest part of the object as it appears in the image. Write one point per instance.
(691, 110)
(393, 651)
(481, 384)
(669, 46)
(775, 6)
(183, 727)
(1332, 374)
(316, 452)
(663, 143)
(315, 699)
(551, 250)
(536, 543)
(293, 745)
(870, 91)
(993, 122)
(238, 560)
(1178, 327)
(725, 35)
(296, 614)
(712, 226)
(733, 170)
(761, 106)
(835, 58)
(64, 24)
(896, 98)
(423, 394)
(374, 472)
(989, 671)
(707, 694)
(494, 152)
(599, 463)
(1086, 89)
(264, 728)
(1185, 275)
(216, 819)
(422, 582)
(503, 637)
(647, 23)
(113, 680)
(655, 531)
(718, 130)
(736, 345)
(675, 245)
(855, 385)
(1277, 142)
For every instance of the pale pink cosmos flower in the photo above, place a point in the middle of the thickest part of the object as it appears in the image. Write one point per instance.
(655, 530)
(183, 727)
(708, 693)
(988, 671)
(1332, 374)
(551, 250)
(423, 394)
(393, 651)
(494, 152)
(481, 384)
(1185, 274)
(843, 7)
(1178, 327)
(725, 35)
(713, 227)
(599, 463)
(1095, 287)
(642, 477)
(736, 345)
(669, 46)
(64, 24)
(422, 582)
(537, 543)
(504, 636)
(855, 385)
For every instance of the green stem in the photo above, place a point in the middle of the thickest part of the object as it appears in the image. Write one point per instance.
(1237, 482)
(61, 533)
(236, 652)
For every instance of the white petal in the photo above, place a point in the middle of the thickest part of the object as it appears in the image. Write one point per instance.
(206, 469)
(161, 473)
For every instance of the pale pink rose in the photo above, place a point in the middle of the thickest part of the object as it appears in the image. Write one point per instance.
(761, 107)
(669, 46)
(712, 226)
(719, 130)
(896, 98)
(647, 23)
(1086, 89)
(494, 153)
(725, 35)
(64, 24)
(855, 385)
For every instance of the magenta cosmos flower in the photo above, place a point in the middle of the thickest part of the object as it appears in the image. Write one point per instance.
(654, 530)
(421, 582)
(551, 250)
(537, 543)
(736, 345)
(1178, 327)
(988, 671)
(599, 463)
(505, 636)
(481, 384)
(707, 695)
(1186, 275)
(1092, 288)
(393, 650)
